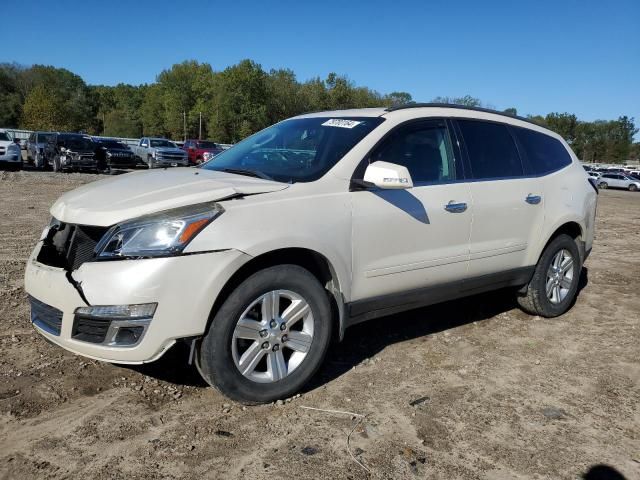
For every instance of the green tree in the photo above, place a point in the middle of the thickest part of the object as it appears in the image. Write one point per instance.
(467, 101)
(564, 124)
(43, 110)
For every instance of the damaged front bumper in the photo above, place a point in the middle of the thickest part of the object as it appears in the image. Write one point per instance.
(183, 289)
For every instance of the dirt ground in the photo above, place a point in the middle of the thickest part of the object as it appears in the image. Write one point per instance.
(467, 389)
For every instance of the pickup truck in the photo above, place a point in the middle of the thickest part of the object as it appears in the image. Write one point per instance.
(160, 152)
(200, 150)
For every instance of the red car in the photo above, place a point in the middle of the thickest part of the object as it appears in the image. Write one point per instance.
(200, 151)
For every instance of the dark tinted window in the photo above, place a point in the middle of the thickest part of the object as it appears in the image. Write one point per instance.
(492, 151)
(545, 154)
(424, 148)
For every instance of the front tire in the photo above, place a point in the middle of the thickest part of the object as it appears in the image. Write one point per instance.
(269, 336)
(633, 187)
(57, 164)
(603, 185)
(554, 284)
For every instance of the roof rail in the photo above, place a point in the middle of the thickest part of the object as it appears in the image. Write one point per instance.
(460, 107)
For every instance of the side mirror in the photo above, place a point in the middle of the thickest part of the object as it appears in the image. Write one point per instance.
(388, 176)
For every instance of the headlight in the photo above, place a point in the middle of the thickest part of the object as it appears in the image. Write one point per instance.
(157, 235)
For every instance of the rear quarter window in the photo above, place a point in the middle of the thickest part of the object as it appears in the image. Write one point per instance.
(544, 154)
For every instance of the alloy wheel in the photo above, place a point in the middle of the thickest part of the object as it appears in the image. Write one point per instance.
(560, 276)
(273, 336)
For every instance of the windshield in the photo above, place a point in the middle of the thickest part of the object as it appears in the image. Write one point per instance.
(298, 150)
(78, 143)
(44, 137)
(4, 136)
(206, 145)
(112, 144)
(162, 143)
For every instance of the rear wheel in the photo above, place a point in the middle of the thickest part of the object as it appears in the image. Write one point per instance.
(554, 284)
(633, 187)
(603, 185)
(269, 337)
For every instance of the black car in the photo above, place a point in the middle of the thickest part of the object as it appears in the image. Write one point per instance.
(71, 151)
(111, 153)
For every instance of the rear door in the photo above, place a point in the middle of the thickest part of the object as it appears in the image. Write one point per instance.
(508, 207)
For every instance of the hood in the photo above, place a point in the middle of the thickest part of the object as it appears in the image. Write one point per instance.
(168, 149)
(123, 197)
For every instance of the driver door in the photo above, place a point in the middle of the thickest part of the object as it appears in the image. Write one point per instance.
(418, 237)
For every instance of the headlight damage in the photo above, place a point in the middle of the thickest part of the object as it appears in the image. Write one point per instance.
(166, 233)
(159, 234)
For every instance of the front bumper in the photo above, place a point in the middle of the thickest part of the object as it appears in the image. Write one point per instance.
(11, 159)
(184, 288)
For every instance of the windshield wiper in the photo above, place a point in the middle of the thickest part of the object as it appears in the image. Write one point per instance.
(249, 173)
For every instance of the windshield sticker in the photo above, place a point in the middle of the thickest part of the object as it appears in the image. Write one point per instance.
(341, 122)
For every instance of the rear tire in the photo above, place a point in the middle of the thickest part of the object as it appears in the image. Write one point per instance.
(603, 185)
(633, 188)
(274, 367)
(551, 291)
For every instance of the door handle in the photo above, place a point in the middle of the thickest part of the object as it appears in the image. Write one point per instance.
(455, 207)
(533, 199)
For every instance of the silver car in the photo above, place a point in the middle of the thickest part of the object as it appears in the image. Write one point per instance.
(618, 180)
(35, 147)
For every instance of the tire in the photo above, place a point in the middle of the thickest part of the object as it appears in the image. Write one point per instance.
(150, 161)
(57, 165)
(603, 185)
(633, 187)
(537, 300)
(219, 352)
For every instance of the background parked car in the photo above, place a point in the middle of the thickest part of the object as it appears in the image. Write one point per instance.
(111, 153)
(201, 150)
(36, 145)
(160, 152)
(71, 151)
(617, 180)
(10, 154)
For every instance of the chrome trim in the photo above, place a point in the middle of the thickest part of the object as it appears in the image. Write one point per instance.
(533, 199)
(454, 207)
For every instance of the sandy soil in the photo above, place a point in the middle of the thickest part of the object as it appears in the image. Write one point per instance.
(468, 389)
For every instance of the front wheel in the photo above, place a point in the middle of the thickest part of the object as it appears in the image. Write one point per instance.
(57, 164)
(603, 185)
(633, 187)
(554, 284)
(269, 337)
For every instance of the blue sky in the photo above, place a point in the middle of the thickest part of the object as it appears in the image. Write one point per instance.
(538, 56)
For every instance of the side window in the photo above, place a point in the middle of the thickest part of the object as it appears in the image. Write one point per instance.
(424, 148)
(492, 151)
(544, 153)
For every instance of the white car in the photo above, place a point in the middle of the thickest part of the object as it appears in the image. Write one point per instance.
(308, 227)
(618, 180)
(10, 153)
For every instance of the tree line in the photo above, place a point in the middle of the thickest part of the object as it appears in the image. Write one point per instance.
(191, 98)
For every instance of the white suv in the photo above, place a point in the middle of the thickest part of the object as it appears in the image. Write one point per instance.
(314, 224)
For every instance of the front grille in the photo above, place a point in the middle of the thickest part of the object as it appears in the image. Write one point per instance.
(69, 246)
(90, 329)
(45, 316)
(170, 157)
